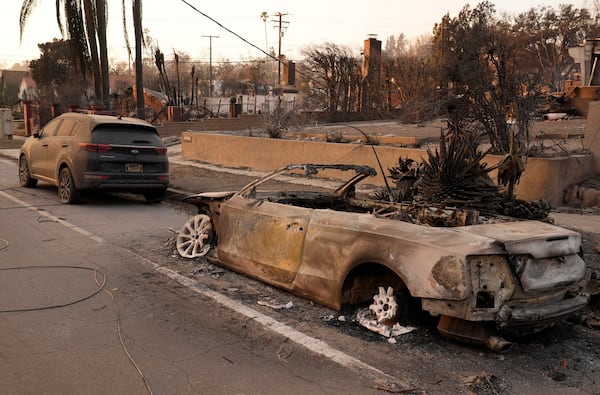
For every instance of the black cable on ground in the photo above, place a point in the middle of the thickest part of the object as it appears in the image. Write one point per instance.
(100, 286)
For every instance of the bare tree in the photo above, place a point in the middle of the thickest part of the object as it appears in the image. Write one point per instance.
(543, 36)
(334, 78)
(479, 61)
(410, 80)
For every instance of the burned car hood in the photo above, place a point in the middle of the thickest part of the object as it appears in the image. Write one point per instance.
(538, 239)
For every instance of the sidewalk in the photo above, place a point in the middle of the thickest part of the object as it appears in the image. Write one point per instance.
(580, 222)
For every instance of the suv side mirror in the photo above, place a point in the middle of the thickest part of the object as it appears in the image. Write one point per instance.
(36, 134)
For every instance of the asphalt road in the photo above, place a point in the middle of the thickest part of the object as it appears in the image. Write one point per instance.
(81, 313)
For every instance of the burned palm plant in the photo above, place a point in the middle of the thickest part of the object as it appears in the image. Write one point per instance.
(454, 176)
(451, 176)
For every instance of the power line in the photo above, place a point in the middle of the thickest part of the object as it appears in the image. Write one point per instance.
(308, 77)
(229, 30)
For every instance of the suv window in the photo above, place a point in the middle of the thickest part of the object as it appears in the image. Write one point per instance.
(125, 134)
(50, 129)
(68, 127)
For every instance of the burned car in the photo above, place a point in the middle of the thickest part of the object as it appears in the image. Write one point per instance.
(339, 248)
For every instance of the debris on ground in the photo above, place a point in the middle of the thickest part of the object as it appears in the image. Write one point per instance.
(274, 305)
(559, 374)
(482, 383)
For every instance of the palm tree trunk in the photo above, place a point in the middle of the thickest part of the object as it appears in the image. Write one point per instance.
(139, 83)
(101, 15)
(90, 21)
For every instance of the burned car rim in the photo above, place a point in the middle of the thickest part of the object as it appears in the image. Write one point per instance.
(195, 237)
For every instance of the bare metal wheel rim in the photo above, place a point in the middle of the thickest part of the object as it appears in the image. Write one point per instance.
(384, 305)
(193, 240)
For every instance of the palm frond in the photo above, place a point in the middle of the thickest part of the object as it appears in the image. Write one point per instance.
(26, 9)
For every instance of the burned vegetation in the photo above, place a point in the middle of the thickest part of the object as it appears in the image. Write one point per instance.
(454, 177)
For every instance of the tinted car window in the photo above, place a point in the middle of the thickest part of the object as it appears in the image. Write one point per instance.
(123, 134)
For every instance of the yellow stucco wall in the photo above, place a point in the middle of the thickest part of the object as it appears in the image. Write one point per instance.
(543, 178)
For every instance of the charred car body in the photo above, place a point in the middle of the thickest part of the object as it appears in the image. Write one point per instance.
(338, 248)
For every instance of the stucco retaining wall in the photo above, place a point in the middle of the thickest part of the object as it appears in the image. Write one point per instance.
(543, 178)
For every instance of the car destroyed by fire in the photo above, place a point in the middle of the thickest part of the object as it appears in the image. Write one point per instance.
(479, 276)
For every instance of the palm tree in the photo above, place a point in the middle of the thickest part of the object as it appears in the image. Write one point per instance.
(139, 83)
(85, 25)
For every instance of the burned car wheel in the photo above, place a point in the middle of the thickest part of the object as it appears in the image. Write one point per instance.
(195, 237)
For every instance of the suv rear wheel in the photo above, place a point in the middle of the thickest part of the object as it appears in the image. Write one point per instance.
(66, 187)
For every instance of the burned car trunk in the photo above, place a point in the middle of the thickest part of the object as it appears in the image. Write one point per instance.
(339, 248)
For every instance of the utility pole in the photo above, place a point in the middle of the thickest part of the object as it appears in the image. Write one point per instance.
(281, 25)
(210, 78)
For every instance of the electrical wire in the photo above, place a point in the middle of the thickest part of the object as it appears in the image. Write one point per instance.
(308, 77)
(101, 286)
(230, 31)
(56, 306)
(118, 314)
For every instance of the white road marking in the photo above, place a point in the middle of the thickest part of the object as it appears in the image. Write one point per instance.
(317, 346)
(54, 218)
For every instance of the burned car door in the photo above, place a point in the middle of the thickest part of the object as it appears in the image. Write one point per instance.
(262, 238)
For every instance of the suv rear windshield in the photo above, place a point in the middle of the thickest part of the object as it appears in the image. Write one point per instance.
(125, 135)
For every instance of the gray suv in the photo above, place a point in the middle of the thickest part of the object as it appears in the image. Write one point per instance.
(81, 152)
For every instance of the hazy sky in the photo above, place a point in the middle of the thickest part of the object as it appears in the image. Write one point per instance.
(176, 26)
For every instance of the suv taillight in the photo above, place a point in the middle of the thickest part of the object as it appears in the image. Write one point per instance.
(102, 148)
(160, 150)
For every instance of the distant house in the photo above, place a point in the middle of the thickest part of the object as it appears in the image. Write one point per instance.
(10, 84)
(28, 89)
(585, 58)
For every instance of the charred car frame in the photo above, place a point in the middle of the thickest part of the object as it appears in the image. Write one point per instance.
(337, 248)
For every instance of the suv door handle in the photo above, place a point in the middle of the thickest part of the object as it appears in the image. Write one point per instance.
(65, 145)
